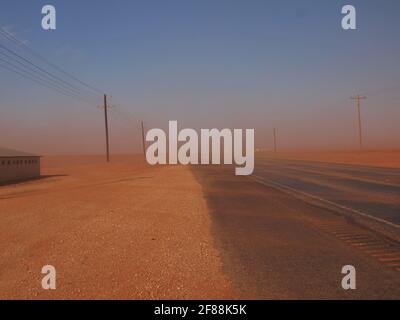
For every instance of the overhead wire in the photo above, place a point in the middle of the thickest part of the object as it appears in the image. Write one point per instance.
(40, 75)
(34, 53)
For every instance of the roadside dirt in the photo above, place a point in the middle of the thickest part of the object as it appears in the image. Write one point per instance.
(118, 231)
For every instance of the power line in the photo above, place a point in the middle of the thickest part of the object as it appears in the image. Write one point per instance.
(28, 69)
(106, 106)
(40, 80)
(275, 141)
(34, 74)
(13, 39)
(38, 74)
(358, 99)
(143, 140)
(127, 116)
(54, 78)
(37, 81)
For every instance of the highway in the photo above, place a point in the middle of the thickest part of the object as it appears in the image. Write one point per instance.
(371, 190)
(277, 245)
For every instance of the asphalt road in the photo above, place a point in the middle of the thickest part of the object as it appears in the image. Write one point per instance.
(371, 190)
(276, 246)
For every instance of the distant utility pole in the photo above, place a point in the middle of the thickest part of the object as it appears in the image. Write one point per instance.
(106, 123)
(275, 144)
(143, 140)
(358, 99)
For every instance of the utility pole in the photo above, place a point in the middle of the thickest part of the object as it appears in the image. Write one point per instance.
(275, 144)
(143, 140)
(358, 99)
(106, 123)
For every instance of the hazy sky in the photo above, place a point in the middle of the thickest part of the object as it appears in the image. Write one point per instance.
(217, 63)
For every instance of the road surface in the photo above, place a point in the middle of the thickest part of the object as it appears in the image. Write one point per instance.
(275, 245)
(371, 190)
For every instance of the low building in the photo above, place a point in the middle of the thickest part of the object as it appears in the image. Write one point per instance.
(17, 165)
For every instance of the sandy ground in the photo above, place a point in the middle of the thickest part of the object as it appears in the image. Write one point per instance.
(378, 158)
(126, 230)
(120, 230)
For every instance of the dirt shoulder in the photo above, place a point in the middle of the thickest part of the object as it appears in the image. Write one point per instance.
(121, 231)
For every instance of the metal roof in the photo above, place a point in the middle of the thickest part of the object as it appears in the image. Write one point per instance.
(10, 153)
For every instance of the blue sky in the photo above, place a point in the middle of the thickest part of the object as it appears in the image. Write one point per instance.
(251, 64)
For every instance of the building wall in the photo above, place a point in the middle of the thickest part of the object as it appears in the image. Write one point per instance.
(19, 168)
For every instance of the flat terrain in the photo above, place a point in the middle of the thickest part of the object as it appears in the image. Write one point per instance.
(123, 230)
(126, 230)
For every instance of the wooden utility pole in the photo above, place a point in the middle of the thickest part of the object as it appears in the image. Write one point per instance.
(358, 99)
(275, 144)
(106, 124)
(143, 140)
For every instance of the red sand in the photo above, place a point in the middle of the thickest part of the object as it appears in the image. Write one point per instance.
(123, 230)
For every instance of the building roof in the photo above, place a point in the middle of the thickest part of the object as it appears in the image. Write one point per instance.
(10, 153)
